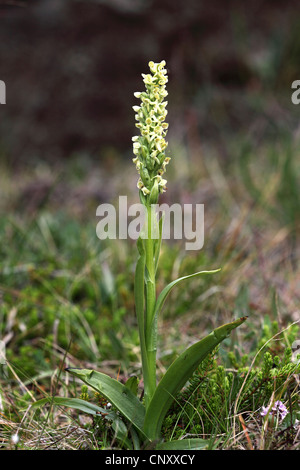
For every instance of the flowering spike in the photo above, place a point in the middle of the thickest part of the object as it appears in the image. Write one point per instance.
(149, 148)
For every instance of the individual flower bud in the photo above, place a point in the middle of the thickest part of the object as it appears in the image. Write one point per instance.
(150, 163)
(161, 183)
(136, 147)
(145, 151)
(154, 193)
(145, 176)
(145, 191)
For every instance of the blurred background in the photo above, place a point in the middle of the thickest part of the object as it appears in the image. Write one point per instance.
(71, 68)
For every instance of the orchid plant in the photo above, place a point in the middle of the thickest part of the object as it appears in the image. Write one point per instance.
(142, 418)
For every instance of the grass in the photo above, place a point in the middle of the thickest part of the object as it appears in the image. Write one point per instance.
(67, 297)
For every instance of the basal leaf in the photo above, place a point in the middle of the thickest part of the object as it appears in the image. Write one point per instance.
(76, 403)
(116, 393)
(178, 374)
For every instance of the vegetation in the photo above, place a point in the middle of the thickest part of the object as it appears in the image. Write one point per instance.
(67, 302)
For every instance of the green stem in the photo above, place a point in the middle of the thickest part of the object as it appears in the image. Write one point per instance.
(150, 386)
(139, 287)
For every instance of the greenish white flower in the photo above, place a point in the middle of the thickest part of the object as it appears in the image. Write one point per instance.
(149, 147)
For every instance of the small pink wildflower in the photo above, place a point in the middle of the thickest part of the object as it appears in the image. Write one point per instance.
(279, 409)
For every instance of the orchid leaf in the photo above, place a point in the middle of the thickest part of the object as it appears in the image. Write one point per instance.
(76, 403)
(165, 292)
(178, 374)
(116, 393)
(161, 300)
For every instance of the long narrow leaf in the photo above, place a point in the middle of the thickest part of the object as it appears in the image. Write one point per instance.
(76, 403)
(116, 393)
(162, 297)
(165, 292)
(178, 374)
